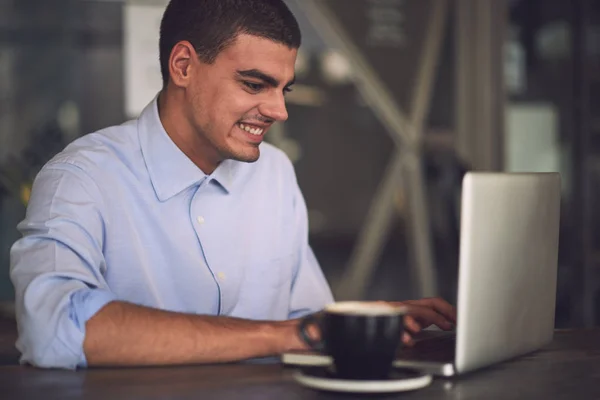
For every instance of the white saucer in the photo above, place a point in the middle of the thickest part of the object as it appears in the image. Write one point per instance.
(317, 378)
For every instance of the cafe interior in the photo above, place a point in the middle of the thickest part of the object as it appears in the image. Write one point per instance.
(395, 102)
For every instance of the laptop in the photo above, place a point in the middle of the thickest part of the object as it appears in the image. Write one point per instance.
(507, 277)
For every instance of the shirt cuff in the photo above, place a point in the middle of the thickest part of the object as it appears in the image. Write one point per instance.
(85, 303)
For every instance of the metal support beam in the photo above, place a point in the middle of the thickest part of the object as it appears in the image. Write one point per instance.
(405, 168)
(480, 95)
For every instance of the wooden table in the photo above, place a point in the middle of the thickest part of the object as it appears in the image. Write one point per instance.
(569, 368)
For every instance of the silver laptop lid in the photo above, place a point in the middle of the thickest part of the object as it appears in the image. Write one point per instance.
(508, 266)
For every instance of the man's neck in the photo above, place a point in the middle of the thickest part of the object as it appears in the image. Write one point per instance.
(181, 131)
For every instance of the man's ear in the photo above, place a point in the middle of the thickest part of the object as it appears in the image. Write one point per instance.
(181, 62)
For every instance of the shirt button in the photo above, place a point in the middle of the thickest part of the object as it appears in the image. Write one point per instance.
(221, 276)
(200, 220)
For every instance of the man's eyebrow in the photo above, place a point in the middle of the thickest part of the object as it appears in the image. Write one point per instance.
(268, 79)
(290, 83)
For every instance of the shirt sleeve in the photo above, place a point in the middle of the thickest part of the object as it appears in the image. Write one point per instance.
(57, 267)
(310, 290)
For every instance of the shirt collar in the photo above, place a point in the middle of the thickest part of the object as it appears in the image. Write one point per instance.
(170, 170)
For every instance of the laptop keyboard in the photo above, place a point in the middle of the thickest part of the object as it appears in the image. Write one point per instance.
(436, 349)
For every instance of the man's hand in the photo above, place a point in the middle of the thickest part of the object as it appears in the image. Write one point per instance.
(420, 315)
(426, 312)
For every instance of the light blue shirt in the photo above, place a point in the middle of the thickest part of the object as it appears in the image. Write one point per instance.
(123, 214)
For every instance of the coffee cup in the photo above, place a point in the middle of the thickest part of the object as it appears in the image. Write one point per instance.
(362, 338)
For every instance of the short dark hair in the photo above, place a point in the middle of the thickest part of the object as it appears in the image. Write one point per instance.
(212, 25)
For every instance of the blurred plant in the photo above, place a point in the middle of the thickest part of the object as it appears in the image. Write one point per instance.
(18, 172)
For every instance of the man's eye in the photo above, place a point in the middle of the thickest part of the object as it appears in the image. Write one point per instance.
(287, 90)
(253, 86)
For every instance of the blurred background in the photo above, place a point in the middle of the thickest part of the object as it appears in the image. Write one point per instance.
(395, 100)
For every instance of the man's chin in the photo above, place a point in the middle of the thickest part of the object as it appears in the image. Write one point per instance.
(246, 156)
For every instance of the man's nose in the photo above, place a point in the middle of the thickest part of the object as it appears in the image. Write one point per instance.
(274, 108)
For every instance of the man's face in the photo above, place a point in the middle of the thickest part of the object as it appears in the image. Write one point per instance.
(236, 99)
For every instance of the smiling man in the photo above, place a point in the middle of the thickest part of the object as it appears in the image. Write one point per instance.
(180, 237)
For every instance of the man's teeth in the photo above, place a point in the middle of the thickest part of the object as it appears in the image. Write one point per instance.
(254, 131)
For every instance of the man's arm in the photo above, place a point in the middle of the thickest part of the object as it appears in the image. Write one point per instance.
(127, 334)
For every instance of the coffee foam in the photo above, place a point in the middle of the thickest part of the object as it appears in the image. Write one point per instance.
(365, 308)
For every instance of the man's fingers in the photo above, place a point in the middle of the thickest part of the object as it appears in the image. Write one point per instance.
(411, 324)
(425, 312)
(439, 305)
(426, 316)
(407, 339)
(443, 307)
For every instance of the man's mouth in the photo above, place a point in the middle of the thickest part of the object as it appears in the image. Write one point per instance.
(256, 131)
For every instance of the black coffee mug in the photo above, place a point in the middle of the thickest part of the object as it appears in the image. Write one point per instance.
(362, 338)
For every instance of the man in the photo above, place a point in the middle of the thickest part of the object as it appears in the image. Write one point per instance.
(168, 240)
